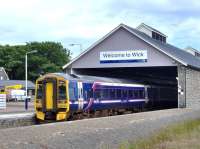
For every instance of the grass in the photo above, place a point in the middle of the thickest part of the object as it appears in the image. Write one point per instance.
(185, 135)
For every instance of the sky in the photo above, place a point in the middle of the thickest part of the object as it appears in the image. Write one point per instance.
(86, 21)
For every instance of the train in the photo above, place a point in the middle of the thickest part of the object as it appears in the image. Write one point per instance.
(60, 96)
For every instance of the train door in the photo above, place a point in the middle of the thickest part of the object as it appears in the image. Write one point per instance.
(49, 95)
(80, 96)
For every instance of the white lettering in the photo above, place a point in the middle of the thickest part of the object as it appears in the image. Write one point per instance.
(131, 55)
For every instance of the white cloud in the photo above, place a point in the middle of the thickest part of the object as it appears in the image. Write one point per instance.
(88, 20)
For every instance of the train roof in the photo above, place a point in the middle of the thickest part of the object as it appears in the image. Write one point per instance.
(95, 78)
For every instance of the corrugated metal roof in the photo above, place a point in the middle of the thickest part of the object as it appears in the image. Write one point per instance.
(15, 82)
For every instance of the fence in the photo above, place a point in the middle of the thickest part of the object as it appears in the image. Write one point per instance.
(2, 101)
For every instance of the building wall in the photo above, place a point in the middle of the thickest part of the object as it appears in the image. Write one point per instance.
(192, 88)
(189, 87)
(119, 41)
(181, 86)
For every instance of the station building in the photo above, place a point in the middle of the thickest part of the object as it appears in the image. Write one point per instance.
(6, 82)
(3, 74)
(143, 55)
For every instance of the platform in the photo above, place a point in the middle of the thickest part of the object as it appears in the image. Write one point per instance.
(17, 107)
(15, 115)
(95, 133)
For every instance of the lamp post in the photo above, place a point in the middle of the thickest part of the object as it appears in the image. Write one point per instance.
(77, 44)
(26, 65)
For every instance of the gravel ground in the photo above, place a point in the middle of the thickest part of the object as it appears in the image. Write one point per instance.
(96, 133)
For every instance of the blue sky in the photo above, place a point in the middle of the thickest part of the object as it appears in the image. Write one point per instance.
(86, 21)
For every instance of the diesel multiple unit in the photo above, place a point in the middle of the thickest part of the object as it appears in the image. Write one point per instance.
(59, 95)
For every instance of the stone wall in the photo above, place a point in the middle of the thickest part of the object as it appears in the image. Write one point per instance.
(192, 88)
(17, 122)
(181, 86)
(188, 87)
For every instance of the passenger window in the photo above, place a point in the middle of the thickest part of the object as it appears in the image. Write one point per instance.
(112, 93)
(124, 94)
(141, 94)
(105, 93)
(62, 90)
(72, 91)
(130, 94)
(136, 93)
(118, 93)
(97, 94)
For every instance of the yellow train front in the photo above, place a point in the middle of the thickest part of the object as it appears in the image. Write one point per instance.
(52, 99)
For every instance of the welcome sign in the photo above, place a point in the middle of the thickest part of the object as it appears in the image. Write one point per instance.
(123, 56)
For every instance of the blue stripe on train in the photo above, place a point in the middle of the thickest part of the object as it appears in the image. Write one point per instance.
(103, 106)
(99, 86)
(123, 61)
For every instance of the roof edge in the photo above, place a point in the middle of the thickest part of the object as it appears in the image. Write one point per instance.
(180, 61)
(111, 32)
(93, 45)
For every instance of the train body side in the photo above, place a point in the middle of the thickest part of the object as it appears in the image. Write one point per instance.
(101, 96)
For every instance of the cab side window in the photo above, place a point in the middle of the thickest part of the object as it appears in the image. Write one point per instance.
(39, 91)
(72, 91)
(62, 90)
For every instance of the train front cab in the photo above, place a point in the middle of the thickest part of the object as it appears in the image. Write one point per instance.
(52, 99)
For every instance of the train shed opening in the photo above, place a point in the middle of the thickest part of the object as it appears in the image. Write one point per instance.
(163, 79)
(143, 55)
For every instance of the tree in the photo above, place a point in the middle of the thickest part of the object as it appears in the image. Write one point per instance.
(50, 57)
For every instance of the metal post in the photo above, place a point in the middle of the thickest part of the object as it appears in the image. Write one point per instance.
(26, 74)
(26, 77)
(26, 105)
